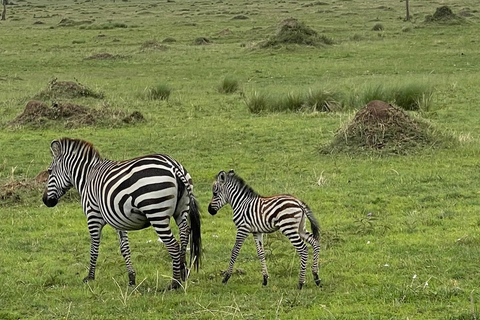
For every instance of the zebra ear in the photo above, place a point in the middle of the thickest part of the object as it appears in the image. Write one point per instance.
(221, 177)
(55, 148)
(231, 173)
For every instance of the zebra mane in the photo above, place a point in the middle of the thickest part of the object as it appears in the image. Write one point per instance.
(242, 184)
(79, 144)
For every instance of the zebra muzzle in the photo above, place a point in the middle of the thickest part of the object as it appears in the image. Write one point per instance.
(50, 202)
(211, 210)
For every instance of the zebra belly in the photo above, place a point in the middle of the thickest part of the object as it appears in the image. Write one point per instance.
(133, 220)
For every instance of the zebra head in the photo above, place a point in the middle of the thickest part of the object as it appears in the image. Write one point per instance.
(220, 192)
(58, 178)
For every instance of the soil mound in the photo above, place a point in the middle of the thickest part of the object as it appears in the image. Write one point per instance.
(291, 31)
(444, 14)
(379, 126)
(103, 56)
(13, 191)
(67, 90)
(39, 114)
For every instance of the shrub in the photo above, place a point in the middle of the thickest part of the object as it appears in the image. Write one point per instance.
(228, 85)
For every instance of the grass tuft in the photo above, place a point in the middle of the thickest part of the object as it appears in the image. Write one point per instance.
(228, 85)
(159, 92)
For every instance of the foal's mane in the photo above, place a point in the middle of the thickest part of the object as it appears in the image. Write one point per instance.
(243, 185)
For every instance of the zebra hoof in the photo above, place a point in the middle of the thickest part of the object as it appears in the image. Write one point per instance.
(88, 278)
(300, 286)
(225, 279)
(265, 280)
(174, 285)
(131, 279)
(183, 272)
(318, 281)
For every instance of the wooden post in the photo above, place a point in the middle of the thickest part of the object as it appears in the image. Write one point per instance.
(407, 18)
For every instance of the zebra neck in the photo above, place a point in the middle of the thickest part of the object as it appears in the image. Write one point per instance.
(239, 197)
(80, 172)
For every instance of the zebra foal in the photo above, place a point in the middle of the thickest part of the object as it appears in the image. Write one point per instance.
(255, 214)
(128, 195)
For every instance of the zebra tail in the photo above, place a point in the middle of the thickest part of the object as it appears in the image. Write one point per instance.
(195, 222)
(313, 222)
(195, 233)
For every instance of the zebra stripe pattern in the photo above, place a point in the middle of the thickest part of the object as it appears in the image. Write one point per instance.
(255, 214)
(128, 195)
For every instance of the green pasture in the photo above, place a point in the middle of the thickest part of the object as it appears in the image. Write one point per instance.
(400, 234)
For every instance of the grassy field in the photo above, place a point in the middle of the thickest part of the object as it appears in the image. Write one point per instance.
(400, 234)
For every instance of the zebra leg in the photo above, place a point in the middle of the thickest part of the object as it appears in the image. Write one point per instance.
(316, 250)
(184, 229)
(241, 236)
(261, 255)
(125, 250)
(95, 227)
(302, 250)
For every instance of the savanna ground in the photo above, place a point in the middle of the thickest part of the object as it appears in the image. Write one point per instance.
(400, 233)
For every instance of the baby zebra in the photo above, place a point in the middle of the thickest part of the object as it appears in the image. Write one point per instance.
(255, 214)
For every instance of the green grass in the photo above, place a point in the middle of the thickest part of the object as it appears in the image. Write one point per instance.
(400, 234)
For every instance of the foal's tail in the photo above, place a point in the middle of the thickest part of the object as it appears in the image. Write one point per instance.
(313, 222)
(194, 217)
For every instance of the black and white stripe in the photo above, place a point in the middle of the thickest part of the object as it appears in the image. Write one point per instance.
(255, 214)
(128, 195)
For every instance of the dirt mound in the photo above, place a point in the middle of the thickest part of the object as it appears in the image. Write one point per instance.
(382, 127)
(11, 192)
(291, 31)
(444, 14)
(103, 56)
(39, 114)
(153, 45)
(67, 90)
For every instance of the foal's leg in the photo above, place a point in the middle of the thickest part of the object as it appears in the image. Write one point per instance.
(125, 250)
(241, 236)
(308, 237)
(261, 255)
(302, 250)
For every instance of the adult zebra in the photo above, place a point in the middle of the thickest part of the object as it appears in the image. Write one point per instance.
(128, 195)
(255, 214)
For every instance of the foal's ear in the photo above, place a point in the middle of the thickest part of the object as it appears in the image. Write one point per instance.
(55, 148)
(231, 173)
(221, 177)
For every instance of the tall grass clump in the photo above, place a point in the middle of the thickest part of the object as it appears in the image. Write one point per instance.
(159, 92)
(322, 100)
(258, 102)
(228, 85)
(291, 102)
(411, 96)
